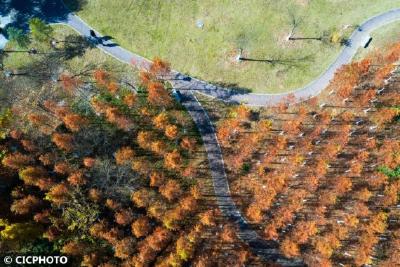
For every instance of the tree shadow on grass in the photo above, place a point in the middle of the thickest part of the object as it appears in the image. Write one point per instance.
(106, 38)
(50, 11)
(75, 5)
(75, 46)
(236, 89)
(224, 91)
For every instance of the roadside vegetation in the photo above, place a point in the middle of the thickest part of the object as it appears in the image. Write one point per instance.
(211, 34)
(321, 178)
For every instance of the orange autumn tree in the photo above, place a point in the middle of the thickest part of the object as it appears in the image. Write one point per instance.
(74, 122)
(77, 178)
(290, 248)
(156, 179)
(58, 194)
(158, 95)
(101, 77)
(171, 190)
(173, 160)
(63, 141)
(159, 67)
(171, 131)
(69, 82)
(141, 227)
(123, 216)
(115, 116)
(124, 155)
(25, 205)
(106, 81)
(130, 99)
(347, 77)
(161, 121)
(112, 87)
(17, 160)
(188, 143)
(152, 80)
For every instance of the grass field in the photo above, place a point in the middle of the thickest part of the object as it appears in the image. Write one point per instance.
(91, 56)
(169, 29)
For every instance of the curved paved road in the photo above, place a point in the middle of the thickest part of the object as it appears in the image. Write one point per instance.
(357, 40)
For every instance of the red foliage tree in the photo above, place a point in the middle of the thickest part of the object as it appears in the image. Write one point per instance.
(159, 67)
(101, 77)
(25, 205)
(173, 160)
(123, 217)
(17, 160)
(69, 83)
(74, 122)
(124, 155)
(63, 141)
(158, 95)
(171, 190)
(141, 227)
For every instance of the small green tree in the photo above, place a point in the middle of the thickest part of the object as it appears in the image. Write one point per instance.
(335, 37)
(5, 122)
(79, 214)
(18, 37)
(40, 31)
(393, 174)
(18, 233)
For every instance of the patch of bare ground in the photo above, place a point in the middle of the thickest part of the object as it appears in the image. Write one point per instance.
(282, 40)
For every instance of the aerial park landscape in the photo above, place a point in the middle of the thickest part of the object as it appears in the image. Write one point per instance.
(200, 133)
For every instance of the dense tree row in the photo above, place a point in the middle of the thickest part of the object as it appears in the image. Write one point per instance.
(322, 179)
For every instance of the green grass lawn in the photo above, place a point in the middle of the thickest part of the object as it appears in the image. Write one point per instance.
(94, 57)
(168, 29)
